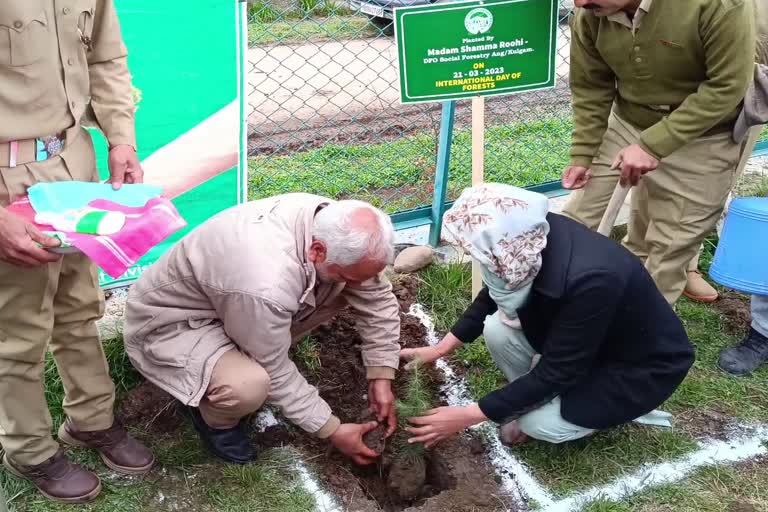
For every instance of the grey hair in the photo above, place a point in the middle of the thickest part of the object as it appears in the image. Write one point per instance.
(347, 243)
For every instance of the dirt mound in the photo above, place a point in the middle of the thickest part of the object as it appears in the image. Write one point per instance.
(376, 439)
(742, 507)
(150, 409)
(706, 424)
(405, 287)
(451, 477)
(736, 310)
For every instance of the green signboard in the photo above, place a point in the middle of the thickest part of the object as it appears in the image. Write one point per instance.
(185, 60)
(449, 51)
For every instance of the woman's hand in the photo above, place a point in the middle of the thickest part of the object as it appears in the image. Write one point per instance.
(429, 355)
(419, 356)
(441, 423)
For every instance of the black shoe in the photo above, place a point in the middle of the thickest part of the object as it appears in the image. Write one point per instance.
(230, 444)
(746, 356)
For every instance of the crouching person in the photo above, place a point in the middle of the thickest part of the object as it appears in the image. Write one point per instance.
(212, 321)
(593, 344)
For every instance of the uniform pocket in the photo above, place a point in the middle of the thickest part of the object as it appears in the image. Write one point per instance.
(86, 10)
(196, 323)
(176, 343)
(80, 158)
(168, 345)
(23, 36)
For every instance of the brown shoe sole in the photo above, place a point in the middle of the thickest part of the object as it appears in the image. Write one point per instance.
(66, 438)
(706, 299)
(80, 499)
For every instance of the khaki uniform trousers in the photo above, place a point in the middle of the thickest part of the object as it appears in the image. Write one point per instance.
(54, 305)
(239, 385)
(673, 208)
(753, 134)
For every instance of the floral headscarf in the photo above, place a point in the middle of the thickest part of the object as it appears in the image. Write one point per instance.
(504, 228)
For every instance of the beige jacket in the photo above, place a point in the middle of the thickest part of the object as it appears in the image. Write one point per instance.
(60, 62)
(243, 278)
(761, 22)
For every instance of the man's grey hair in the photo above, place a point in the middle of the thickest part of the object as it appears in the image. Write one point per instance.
(347, 241)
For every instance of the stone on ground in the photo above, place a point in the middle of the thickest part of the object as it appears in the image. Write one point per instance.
(414, 258)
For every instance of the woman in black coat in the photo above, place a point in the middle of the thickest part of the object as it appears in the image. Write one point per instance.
(571, 318)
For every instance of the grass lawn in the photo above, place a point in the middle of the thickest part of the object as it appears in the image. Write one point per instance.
(300, 31)
(399, 174)
(308, 21)
(600, 459)
(742, 488)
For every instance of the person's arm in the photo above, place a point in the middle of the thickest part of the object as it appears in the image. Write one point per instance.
(466, 330)
(196, 156)
(377, 319)
(593, 89)
(573, 341)
(262, 329)
(471, 324)
(728, 36)
(111, 92)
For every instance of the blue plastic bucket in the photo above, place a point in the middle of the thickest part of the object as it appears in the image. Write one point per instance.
(741, 258)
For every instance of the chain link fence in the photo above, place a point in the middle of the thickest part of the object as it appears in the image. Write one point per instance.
(324, 113)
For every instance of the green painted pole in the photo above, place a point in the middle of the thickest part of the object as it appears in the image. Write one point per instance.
(761, 148)
(441, 172)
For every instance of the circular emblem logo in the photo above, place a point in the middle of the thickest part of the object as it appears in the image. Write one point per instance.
(478, 21)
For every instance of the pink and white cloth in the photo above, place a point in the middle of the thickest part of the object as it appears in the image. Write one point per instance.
(145, 227)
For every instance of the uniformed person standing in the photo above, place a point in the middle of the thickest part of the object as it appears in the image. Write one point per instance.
(657, 86)
(697, 288)
(60, 61)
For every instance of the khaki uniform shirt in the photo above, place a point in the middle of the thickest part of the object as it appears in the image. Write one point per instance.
(243, 277)
(57, 59)
(677, 71)
(761, 22)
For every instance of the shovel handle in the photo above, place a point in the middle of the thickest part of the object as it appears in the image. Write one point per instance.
(612, 211)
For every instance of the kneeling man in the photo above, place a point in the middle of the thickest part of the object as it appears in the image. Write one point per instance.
(212, 321)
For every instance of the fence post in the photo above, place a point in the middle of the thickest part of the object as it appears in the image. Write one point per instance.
(441, 171)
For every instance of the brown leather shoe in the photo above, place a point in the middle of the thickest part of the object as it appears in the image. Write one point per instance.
(118, 450)
(698, 289)
(58, 479)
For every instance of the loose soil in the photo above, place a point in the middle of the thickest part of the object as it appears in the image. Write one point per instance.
(150, 409)
(453, 476)
(742, 507)
(736, 310)
(706, 423)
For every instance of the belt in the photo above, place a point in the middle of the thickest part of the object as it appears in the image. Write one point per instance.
(641, 115)
(20, 152)
(664, 109)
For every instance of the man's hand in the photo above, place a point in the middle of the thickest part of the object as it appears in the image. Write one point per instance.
(348, 439)
(575, 177)
(124, 166)
(18, 242)
(633, 162)
(441, 423)
(382, 402)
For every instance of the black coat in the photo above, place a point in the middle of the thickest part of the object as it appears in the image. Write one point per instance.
(612, 347)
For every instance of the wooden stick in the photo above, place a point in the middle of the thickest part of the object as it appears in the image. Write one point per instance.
(478, 162)
(612, 211)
